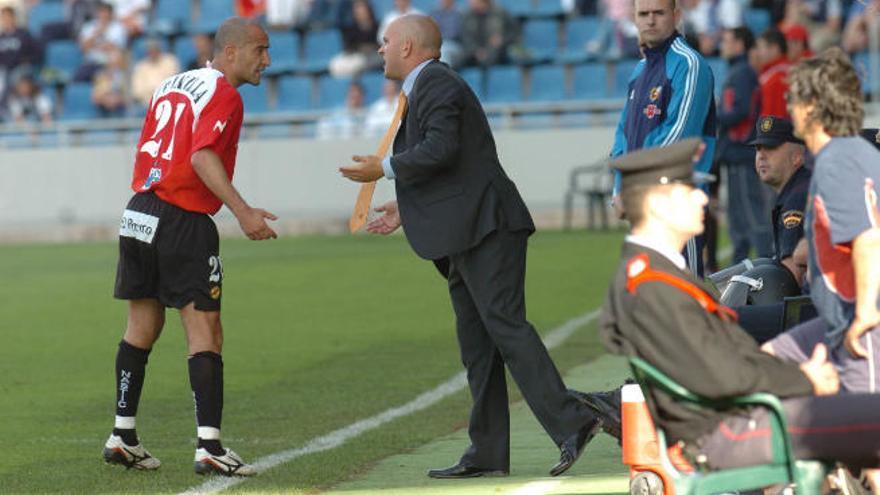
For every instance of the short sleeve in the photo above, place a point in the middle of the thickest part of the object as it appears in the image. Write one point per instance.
(219, 122)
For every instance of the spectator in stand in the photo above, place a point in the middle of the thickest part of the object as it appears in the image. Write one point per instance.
(823, 18)
(204, 44)
(132, 14)
(709, 18)
(381, 112)
(448, 19)
(797, 40)
(250, 8)
(358, 43)
(748, 200)
(21, 8)
(110, 86)
(772, 53)
(149, 72)
(17, 46)
(346, 122)
(76, 14)
(98, 39)
(287, 14)
(487, 32)
(401, 7)
(855, 34)
(27, 103)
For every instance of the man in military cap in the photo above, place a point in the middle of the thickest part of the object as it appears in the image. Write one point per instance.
(779, 162)
(658, 311)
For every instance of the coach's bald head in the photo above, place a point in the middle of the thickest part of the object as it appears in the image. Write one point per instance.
(409, 40)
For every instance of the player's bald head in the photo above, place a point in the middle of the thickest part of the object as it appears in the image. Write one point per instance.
(422, 31)
(235, 31)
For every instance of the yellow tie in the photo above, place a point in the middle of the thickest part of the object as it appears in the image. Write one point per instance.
(365, 196)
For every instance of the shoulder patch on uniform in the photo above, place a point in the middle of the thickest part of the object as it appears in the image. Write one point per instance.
(636, 266)
(792, 218)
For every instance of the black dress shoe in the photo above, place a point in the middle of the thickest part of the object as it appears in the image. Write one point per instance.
(573, 447)
(462, 471)
(607, 406)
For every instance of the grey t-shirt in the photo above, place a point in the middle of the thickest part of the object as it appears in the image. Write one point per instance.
(842, 204)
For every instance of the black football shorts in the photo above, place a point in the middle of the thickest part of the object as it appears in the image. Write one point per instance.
(169, 254)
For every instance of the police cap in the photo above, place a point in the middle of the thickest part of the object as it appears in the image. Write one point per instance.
(657, 166)
(773, 131)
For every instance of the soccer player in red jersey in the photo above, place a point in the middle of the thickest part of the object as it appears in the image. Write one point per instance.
(168, 244)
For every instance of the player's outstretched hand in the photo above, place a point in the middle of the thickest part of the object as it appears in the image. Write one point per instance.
(821, 372)
(253, 224)
(387, 223)
(364, 169)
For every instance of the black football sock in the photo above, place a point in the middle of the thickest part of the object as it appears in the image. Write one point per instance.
(206, 379)
(131, 363)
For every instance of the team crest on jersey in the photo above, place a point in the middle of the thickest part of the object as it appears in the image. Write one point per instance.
(652, 110)
(655, 92)
(766, 124)
(792, 218)
(154, 177)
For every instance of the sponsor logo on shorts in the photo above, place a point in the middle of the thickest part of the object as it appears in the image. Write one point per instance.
(215, 292)
(138, 226)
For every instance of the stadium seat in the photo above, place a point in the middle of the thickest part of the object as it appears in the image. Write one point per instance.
(622, 70)
(382, 7)
(284, 51)
(78, 102)
(578, 32)
(184, 50)
(255, 98)
(171, 17)
(504, 84)
(212, 13)
(547, 83)
(372, 83)
(540, 39)
(474, 76)
(805, 476)
(43, 13)
(862, 63)
(426, 6)
(64, 56)
(517, 8)
(590, 81)
(294, 93)
(332, 91)
(758, 20)
(321, 46)
(548, 8)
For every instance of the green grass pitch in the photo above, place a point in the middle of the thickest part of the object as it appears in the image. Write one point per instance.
(319, 332)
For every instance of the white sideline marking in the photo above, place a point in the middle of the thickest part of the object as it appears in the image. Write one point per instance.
(536, 488)
(336, 438)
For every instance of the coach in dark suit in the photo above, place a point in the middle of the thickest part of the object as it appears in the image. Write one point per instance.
(459, 209)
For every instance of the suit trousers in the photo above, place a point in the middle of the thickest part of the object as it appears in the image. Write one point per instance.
(843, 427)
(486, 284)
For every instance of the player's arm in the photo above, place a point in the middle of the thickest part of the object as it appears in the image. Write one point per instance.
(209, 168)
(866, 265)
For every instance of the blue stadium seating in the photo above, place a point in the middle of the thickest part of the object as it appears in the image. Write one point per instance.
(139, 48)
(547, 83)
(64, 56)
(42, 13)
(78, 102)
(332, 91)
(321, 46)
(212, 13)
(381, 7)
(294, 93)
(255, 98)
(590, 81)
(474, 76)
(541, 39)
(504, 84)
(578, 32)
(426, 6)
(622, 70)
(184, 50)
(372, 83)
(862, 63)
(758, 20)
(547, 8)
(284, 51)
(517, 8)
(171, 17)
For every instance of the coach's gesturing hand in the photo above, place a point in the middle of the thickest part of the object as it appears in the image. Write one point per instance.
(821, 372)
(364, 169)
(387, 223)
(253, 223)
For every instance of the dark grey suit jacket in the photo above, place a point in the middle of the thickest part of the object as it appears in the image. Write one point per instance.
(451, 189)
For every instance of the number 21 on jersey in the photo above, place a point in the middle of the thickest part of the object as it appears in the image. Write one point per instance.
(162, 139)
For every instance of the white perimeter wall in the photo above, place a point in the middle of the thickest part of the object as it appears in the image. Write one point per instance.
(76, 193)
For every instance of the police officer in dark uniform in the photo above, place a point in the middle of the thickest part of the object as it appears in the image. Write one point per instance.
(656, 310)
(779, 162)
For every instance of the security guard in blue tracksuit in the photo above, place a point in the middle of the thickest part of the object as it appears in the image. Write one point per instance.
(669, 98)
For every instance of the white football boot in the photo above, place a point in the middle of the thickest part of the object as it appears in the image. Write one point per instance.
(137, 457)
(228, 464)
